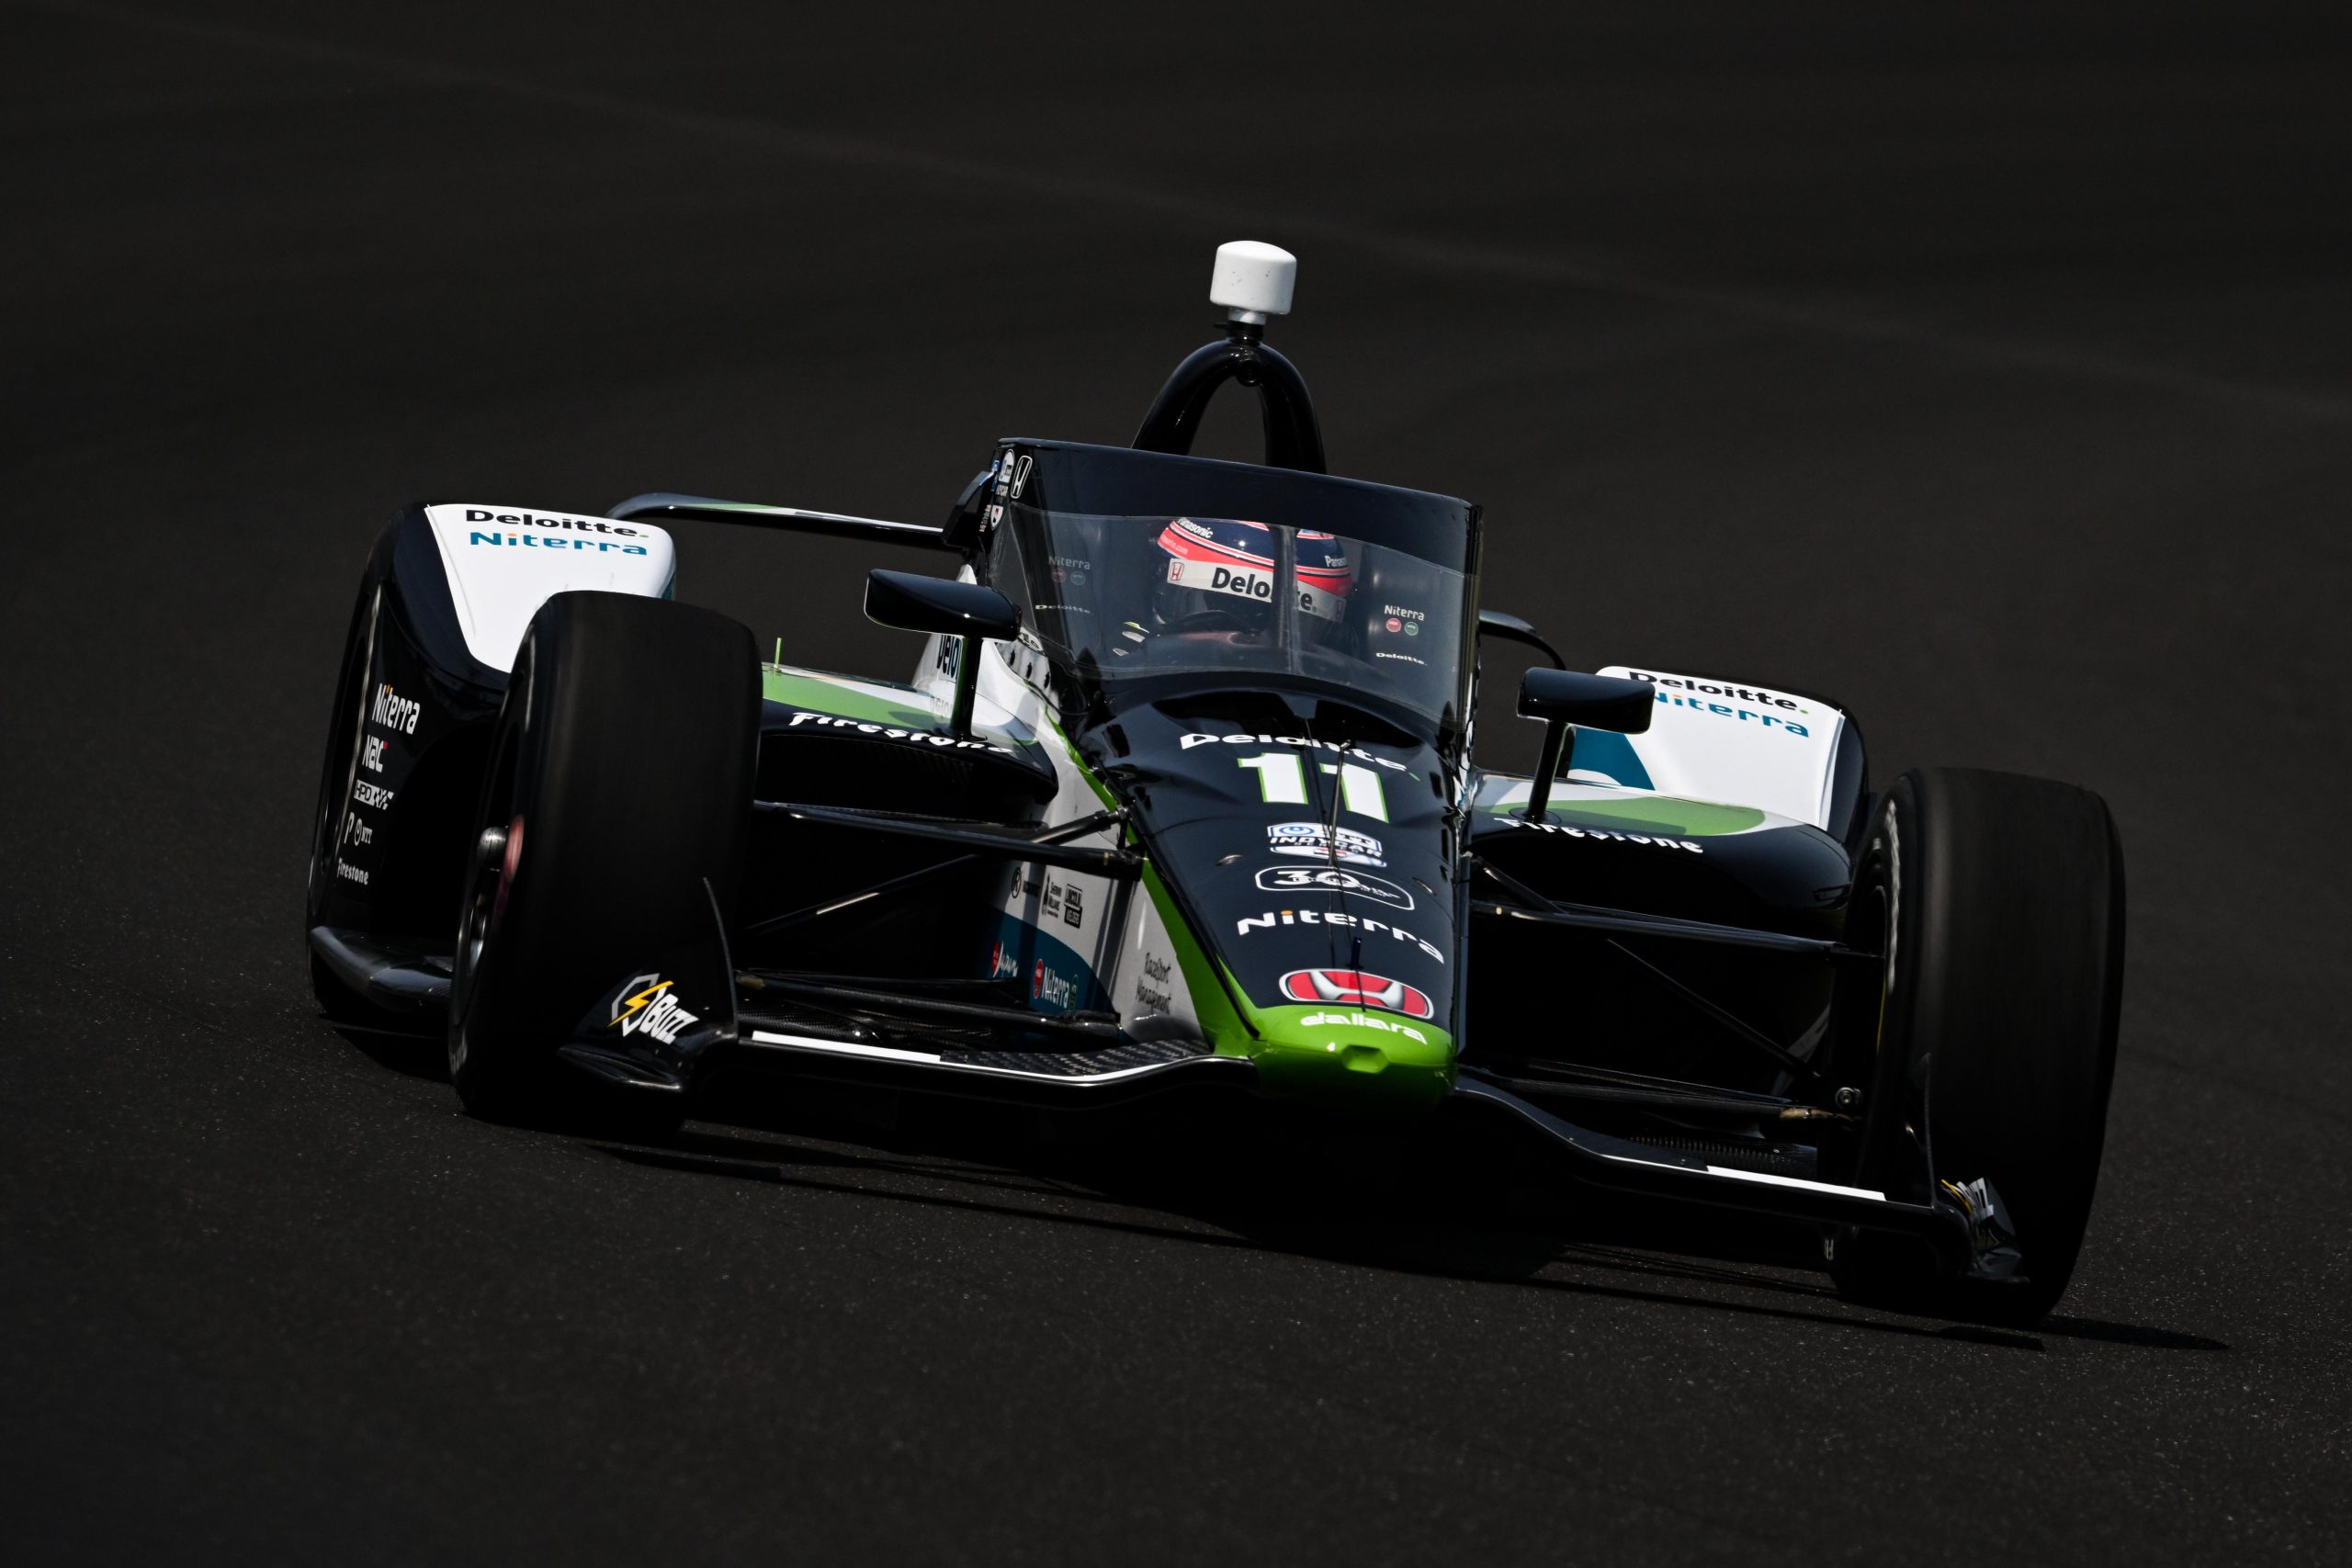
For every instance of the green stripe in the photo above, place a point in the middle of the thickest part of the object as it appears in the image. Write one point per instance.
(1663, 813)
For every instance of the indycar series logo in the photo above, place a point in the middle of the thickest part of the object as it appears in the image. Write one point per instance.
(1324, 842)
(1331, 879)
(1363, 923)
(1356, 988)
(654, 1012)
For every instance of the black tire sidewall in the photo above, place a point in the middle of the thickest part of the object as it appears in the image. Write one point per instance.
(2006, 963)
(626, 745)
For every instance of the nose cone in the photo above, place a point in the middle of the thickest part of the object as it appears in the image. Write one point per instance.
(1358, 1058)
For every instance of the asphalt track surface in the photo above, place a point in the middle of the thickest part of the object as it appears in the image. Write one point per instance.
(1988, 372)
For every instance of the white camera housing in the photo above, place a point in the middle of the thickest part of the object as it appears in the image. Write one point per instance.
(1253, 280)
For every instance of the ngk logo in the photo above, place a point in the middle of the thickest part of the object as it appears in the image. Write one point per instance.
(1354, 987)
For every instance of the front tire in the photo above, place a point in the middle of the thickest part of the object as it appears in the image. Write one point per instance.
(619, 785)
(1998, 904)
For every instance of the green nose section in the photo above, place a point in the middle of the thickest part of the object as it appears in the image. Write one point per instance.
(1356, 1057)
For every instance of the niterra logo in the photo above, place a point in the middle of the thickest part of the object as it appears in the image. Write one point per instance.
(1756, 695)
(654, 1012)
(536, 542)
(533, 520)
(1363, 923)
(394, 712)
(1045, 986)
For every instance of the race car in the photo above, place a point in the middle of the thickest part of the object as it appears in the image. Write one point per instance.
(1181, 792)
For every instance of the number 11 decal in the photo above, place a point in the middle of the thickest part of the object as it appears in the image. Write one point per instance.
(1281, 781)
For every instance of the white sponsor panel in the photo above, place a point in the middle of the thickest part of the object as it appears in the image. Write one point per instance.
(504, 561)
(1714, 739)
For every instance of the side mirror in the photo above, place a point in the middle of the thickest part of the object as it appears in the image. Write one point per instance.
(1564, 698)
(1511, 628)
(913, 603)
(1597, 702)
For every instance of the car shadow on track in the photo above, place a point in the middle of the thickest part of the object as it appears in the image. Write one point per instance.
(1307, 1202)
(402, 1051)
(1157, 1177)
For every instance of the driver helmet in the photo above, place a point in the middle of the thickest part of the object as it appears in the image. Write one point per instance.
(1220, 578)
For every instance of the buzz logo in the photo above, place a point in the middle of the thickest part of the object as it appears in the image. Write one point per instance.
(653, 1011)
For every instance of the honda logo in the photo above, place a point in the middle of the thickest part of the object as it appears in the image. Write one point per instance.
(1354, 987)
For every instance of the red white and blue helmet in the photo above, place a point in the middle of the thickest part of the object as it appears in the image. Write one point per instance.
(1220, 574)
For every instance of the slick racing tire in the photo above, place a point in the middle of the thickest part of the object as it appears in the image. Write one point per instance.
(619, 783)
(1998, 903)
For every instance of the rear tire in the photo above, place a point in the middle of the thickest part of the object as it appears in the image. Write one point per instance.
(2000, 992)
(620, 779)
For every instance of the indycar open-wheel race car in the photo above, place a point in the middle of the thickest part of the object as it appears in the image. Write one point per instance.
(1181, 792)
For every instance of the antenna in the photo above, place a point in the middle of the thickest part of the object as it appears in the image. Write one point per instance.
(1253, 280)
